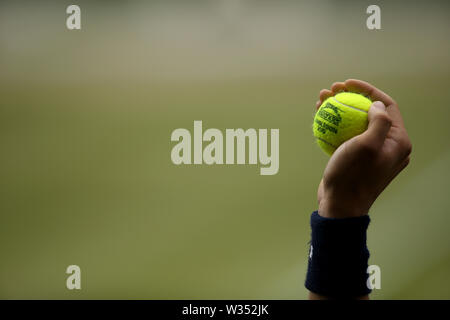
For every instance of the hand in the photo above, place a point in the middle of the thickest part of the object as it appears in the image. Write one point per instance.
(362, 167)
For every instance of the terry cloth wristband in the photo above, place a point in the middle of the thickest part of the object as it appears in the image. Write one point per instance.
(338, 257)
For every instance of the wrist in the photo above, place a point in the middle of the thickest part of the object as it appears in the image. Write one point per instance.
(330, 207)
(338, 257)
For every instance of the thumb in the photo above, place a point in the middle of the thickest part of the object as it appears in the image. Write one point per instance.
(379, 125)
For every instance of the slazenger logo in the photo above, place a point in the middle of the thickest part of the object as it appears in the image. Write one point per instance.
(330, 117)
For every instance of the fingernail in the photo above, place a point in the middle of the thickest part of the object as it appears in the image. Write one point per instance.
(379, 105)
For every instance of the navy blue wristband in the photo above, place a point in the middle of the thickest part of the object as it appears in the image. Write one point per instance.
(338, 257)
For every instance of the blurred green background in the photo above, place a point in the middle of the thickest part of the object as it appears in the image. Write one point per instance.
(86, 118)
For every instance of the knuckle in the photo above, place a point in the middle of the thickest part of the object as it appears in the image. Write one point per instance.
(404, 163)
(408, 148)
(385, 118)
(335, 84)
(407, 161)
(405, 147)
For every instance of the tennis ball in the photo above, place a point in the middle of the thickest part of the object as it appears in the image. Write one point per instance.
(340, 118)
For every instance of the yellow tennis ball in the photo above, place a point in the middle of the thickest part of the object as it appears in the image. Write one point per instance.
(340, 118)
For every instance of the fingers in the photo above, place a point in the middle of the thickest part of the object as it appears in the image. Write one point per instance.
(325, 94)
(338, 87)
(318, 103)
(403, 146)
(366, 88)
(376, 94)
(378, 128)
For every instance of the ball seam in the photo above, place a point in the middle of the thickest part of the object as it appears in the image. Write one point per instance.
(345, 105)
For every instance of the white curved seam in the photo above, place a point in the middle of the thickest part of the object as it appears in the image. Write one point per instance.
(348, 105)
